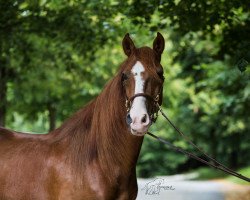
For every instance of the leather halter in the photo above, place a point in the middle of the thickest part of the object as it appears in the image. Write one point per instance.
(154, 114)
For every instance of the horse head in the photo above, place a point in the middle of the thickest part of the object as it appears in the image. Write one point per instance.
(142, 79)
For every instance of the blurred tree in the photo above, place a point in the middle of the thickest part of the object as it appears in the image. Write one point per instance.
(53, 36)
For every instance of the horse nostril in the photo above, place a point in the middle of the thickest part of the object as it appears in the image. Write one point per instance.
(144, 119)
(128, 119)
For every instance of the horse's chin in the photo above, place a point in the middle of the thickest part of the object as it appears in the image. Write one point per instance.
(136, 133)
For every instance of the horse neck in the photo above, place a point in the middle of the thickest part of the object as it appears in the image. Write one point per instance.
(115, 145)
(98, 133)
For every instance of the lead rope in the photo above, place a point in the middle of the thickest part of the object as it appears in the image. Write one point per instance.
(218, 164)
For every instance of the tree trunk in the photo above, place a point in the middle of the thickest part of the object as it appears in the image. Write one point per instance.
(3, 96)
(234, 156)
(213, 143)
(52, 116)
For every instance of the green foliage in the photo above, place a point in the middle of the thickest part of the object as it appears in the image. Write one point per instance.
(55, 56)
(205, 173)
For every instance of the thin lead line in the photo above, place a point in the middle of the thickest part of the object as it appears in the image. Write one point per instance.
(197, 158)
(194, 145)
(218, 164)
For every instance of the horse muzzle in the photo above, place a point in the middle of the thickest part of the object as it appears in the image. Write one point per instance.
(138, 124)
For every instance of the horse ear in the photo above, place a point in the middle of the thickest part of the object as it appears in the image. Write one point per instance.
(128, 45)
(159, 44)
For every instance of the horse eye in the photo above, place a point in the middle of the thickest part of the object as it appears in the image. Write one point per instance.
(160, 74)
(124, 76)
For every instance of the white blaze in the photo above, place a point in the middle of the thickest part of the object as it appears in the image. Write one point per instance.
(137, 72)
(138, 109)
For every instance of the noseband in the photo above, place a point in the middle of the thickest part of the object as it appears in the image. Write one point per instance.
(154, 113)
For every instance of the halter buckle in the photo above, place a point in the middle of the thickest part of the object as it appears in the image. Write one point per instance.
(127, 104)
(157, 98)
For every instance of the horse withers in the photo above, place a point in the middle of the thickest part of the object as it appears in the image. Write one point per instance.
(93, 154)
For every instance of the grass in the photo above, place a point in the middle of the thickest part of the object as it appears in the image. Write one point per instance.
(245, 172)
(205, 173)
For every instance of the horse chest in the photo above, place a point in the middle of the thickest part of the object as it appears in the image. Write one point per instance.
(118, 186)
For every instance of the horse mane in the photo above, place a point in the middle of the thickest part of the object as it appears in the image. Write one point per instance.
(93, 131)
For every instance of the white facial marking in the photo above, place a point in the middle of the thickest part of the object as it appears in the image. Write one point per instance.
(138, 109)
(137, 72)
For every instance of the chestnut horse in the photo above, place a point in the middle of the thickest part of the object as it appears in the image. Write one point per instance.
(93, 154)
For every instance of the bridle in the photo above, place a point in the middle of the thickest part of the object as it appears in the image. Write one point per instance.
(155, 108)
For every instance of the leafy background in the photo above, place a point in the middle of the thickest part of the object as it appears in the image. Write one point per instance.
(56, 55)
